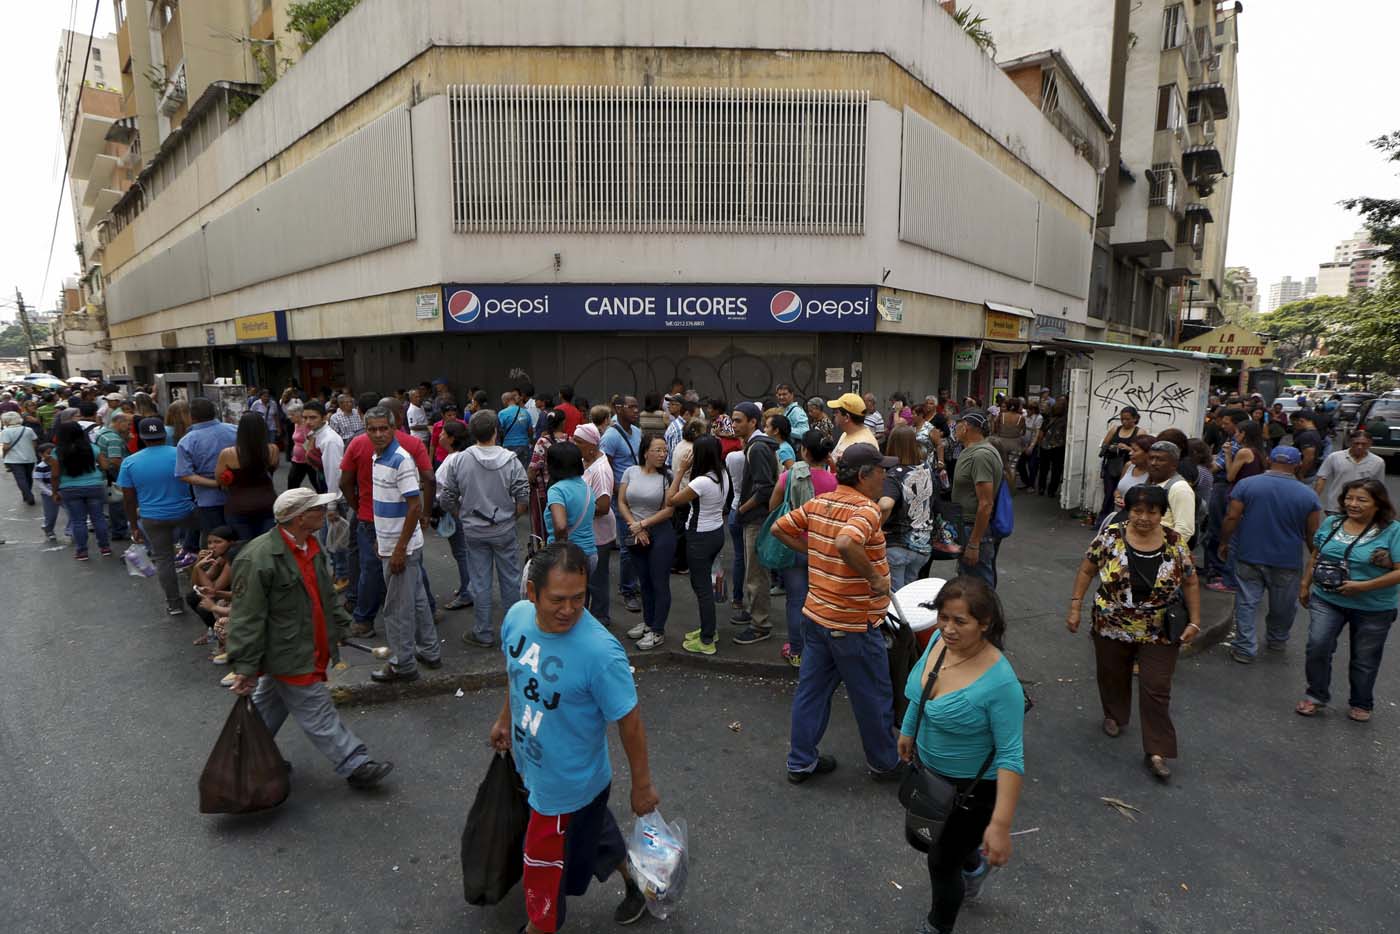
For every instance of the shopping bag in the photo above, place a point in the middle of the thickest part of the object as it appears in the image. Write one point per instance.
(246, 771)
(337, 532)
(138, 563)
(493, 841)
(658, 857)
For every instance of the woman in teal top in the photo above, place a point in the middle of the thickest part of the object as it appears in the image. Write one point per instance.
(80, 484)
(976, 706)
(1364, 540)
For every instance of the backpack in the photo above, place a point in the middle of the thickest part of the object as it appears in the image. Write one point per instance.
(772, 553)
(1003, 518)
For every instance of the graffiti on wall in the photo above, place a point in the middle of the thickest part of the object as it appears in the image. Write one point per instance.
(740, 375)
(1154, 388)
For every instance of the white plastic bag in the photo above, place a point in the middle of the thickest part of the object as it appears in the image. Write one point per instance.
(138, 563)
(337, 532)
(659, 857)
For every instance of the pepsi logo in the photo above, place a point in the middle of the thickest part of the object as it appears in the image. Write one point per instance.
(464, 307)
(786, 306)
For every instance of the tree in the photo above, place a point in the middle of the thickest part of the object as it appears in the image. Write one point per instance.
(314, 18)
(1382, 215)
(13, 343)
(1299, 327)
(975, 25)
(1367, 336)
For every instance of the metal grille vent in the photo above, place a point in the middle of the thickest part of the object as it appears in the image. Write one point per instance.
(660, 159)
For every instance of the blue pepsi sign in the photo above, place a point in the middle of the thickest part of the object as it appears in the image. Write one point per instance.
(679, 308)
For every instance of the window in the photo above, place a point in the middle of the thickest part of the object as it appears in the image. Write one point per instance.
(1165, 186)
(1170, 111)
(1049, 92)
(636, 159)
(97, 55)
(1173, 27)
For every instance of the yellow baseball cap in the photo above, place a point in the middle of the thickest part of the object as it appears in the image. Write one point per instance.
(850, 402)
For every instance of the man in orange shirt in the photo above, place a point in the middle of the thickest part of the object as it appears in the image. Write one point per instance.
(848, 591)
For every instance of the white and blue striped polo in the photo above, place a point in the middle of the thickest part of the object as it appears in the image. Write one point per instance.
(395, 482)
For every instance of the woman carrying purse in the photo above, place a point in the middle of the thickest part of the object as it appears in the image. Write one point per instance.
(964, 724)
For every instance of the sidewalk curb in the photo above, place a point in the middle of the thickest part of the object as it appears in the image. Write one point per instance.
(437, 684)
(1211, 634)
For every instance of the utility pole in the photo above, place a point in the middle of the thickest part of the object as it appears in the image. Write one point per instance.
(24, 323)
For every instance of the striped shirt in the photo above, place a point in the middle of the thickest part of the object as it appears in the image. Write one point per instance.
(395, 480)
(837, 596)
(347, 425)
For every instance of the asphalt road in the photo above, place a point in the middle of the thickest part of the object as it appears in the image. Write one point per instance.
(1272, 822)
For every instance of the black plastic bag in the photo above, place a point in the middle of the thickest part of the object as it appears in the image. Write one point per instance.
(493, 841)
(245, 771)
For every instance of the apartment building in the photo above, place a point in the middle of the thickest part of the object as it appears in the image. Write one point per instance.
(1366, 269)
(1164, 72)
(1288, 290)
(608, 194)
(1334, 279)
(1242, 286)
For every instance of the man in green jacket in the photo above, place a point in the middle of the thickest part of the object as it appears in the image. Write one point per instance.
(284, 630)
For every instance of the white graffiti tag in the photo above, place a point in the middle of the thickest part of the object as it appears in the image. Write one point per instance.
(1151, 388)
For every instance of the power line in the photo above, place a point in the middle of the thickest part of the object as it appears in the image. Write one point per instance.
(68, 151)
(63, 81)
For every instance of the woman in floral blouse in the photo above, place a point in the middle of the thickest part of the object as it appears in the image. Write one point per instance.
(1142, 567)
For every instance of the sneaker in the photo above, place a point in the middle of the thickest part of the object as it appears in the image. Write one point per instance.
(749, 635)
(1220, 586)
(456, 603)
(175, 608)
(105, 551)
(824, 765)
(362, 630)
(369, 775)
(1242, 658)
(637, 631)
(228, 679)
(698, 647)
(470, 639)
(650, 641)
(390, 674)
(774, 590)
(634, 903)
(185, 560)
(972, 881)
(632, 602)
(219, 659)
(80, 555)
(888, 775)
(692, 635)
(50, 537)
(795, 660)
(741, 618)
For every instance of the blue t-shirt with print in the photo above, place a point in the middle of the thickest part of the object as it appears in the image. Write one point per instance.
(565, 688)
(1275, 524)
(578, 501)
(1359, 566)
(159, 493)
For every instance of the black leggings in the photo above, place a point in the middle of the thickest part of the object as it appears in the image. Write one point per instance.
(957, 850)
(300, 473)
(701, 549)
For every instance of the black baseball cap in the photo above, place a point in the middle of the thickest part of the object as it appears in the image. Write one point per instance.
(866, 455)
(151, 429)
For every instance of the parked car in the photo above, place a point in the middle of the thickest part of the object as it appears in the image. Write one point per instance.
(1350, 404)
(1381, 419)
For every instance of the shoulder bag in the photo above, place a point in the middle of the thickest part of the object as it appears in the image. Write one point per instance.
(929, 798)
(1330, 573)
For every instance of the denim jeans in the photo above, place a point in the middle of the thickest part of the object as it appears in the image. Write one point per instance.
(627, 583)
(904, 565)
(600, 585)
(340, 560)
(736, 539)
(408, 621)
(210, 518)
(829, 658)
(84, 503)
(50, 513)
(457, 541)
(701, 549)
(1369, 629)
(249, 525)
(653, 565)
(795, 592)
(493, 554)
(986, 567)
(24, 479)
(371, 583)
(1254, 580)
(1214, 567)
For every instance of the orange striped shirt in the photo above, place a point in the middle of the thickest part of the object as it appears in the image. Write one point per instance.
(838, 597)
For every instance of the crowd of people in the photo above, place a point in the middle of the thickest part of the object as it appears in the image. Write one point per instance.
(831, 504)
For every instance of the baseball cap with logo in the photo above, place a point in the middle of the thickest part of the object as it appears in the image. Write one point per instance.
(296, 501)
(850, 402)
(151, 429)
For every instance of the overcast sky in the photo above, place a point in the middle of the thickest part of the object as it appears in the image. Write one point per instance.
(1315, 86)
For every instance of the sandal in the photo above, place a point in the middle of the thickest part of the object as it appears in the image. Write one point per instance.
(1359, 715)
(1307, 707)
(1158, 767)
(1111, 727)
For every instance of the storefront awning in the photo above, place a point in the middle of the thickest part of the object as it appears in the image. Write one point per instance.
(1006, 346)
(1010, 309)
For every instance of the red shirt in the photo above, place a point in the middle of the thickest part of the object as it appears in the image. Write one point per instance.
(572, 417)
(440, 448)
(306, 563)
(359, 458)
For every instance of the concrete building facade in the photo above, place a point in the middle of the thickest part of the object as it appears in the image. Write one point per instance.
(1334, 279)
(833, 197)
(1288, 290)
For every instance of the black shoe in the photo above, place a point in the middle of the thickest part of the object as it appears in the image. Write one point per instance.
(632, 603)
(369, 775)
(469, 639)
(741, 618)
(389, 674)
(362, 630)
(433, 663)
(889, 775)
(824, 764)
(634, 903)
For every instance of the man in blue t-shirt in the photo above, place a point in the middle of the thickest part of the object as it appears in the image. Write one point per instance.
(1276, 516)
(515, 423)
(622, 442)
(160, 502)
(568, 679)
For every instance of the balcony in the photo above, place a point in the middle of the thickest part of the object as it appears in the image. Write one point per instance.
(1212, 93)
(89, 140)
(1203, 166)
(1180, 263)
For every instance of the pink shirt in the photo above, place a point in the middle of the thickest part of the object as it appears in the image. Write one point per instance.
(823, 481)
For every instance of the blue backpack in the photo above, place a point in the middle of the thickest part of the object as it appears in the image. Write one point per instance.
(1003, 519)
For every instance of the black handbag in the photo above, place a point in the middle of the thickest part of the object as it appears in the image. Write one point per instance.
(1177, 619)
(1330, 574)
(927, 797)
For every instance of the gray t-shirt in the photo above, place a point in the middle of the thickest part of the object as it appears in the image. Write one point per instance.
(1338, 469)
(980, 463)
(646, 492)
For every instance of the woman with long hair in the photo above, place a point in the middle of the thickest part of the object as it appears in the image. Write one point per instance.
(177, 421)
(1250, 458)
(245, 471)
(711, 491)
(643, 504)
(1358, 592)
(964, 723)
(1007, 429)
(552, 430)
(79, 483)
(907, 505)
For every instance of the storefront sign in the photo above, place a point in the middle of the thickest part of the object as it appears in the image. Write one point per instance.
(966, 354)
(478, 308)
(1049, 328)
(270, 327)
(1233, 342)
(1006, 327)
(427, 306)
